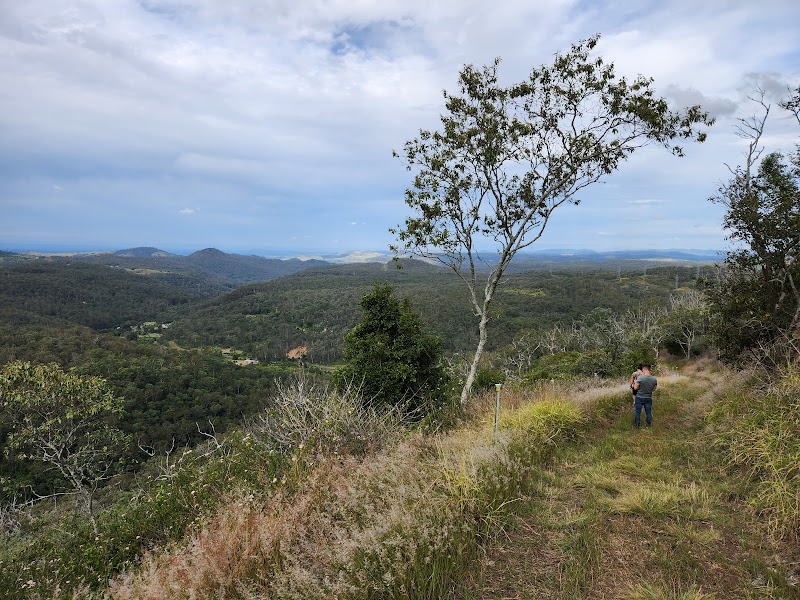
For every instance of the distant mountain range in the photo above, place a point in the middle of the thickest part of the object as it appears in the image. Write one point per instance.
(232, 270)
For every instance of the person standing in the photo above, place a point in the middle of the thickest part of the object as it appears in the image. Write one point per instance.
(644, 386)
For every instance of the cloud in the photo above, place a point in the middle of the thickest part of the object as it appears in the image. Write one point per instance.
(288, 111)
(775, 85)
(686, 97)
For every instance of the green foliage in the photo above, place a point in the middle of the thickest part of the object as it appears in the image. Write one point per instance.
(637, 351)
(391, 360)
(756, 299)
(167, 392)
(96, 296)
(487, 376)
(64, 420)
(179, 491)
(318, 307)
(568, 365)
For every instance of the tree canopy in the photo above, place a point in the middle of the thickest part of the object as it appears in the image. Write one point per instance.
(756, 298)
(64, 420)
(506, 157)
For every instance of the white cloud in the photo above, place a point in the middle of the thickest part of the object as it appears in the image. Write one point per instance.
(289, 110)
(188, 211)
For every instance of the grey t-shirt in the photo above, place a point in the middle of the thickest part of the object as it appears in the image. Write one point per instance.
(647, 383)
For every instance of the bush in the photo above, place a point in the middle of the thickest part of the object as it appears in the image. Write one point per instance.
(487, 377)
(390, 358)
(309, 416)
(568, 365)
(66, 554)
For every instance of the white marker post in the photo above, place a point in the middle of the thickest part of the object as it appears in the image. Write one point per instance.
(497, 388)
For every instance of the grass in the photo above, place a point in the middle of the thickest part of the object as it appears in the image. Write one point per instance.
(568, 500)
(638, 514)
(760, 441)
(405, 520)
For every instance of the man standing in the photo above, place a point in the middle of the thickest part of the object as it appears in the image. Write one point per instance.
(644, 386)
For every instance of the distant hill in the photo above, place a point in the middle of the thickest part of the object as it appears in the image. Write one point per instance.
(566, 259)
(238, 269)
(216, 268)
(612, 260)
(143, 252)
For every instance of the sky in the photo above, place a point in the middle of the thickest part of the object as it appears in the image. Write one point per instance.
(267, 126)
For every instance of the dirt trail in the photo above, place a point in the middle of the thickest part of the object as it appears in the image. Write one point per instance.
(639, 514)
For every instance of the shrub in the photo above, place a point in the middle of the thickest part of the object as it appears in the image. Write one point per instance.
(487, 377)
(390, 358)
(307, 415)
(568, 365)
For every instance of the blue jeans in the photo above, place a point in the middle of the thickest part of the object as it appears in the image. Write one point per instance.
(647, 403)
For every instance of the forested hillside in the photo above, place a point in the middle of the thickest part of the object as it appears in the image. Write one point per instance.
(210, 267)
(318, 306)
(97, 296)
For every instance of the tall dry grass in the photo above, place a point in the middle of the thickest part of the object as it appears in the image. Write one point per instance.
(404, 521)
(757, 429)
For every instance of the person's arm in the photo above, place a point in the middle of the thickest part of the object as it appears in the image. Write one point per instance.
(636, 383)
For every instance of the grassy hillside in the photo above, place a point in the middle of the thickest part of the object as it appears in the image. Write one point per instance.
(568, 501)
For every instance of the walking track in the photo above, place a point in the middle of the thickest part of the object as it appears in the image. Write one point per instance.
(639, 514)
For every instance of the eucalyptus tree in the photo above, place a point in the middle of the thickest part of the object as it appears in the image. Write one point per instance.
(64, 420)
(506, 157)
(756, 298)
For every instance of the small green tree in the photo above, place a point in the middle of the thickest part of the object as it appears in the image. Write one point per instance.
(507, 157)
(686, 323)
(64, 420)
(390, 357)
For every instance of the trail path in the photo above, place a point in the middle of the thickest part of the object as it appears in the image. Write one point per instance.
(639, 514)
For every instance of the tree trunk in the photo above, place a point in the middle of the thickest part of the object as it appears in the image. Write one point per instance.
(473, 370)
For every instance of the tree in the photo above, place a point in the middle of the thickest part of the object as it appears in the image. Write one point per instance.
(507, 157)
(391, 358)
(686, 322)
(64, 420)
(756, 297)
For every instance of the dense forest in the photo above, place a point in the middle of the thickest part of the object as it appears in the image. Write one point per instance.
(211, 268)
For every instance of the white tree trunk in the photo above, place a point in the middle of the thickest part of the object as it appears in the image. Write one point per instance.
(473, 370)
